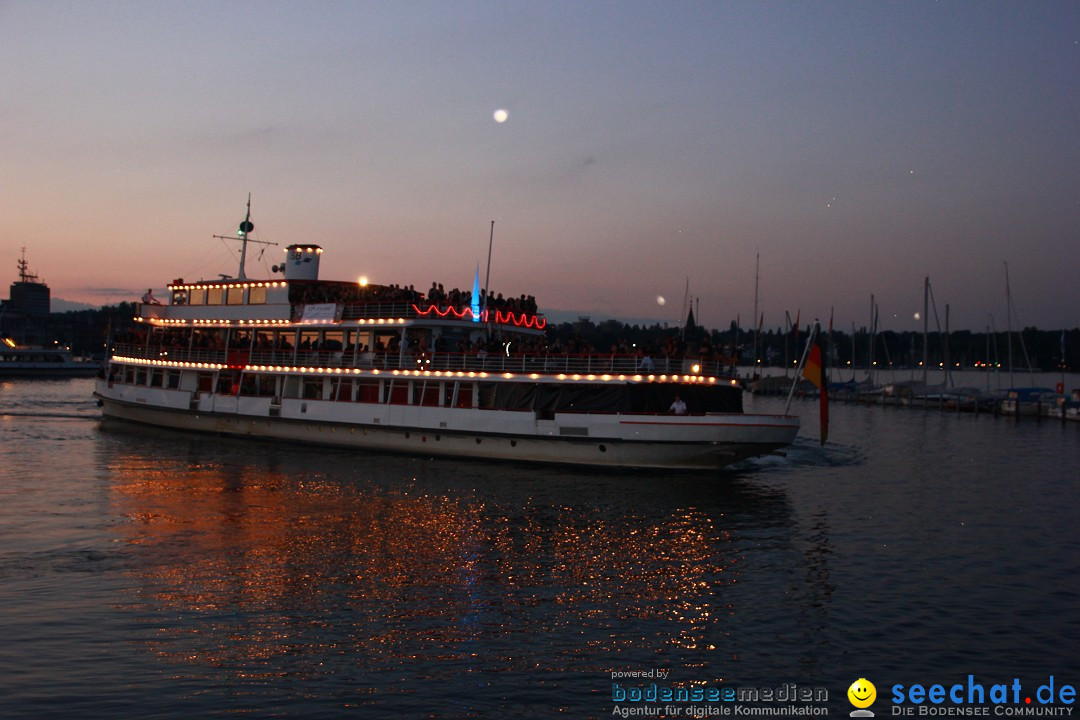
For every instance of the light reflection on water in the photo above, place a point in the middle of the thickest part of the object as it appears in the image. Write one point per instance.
(273, 570)
(151, 574)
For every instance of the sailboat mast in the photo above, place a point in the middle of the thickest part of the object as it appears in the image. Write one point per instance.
(245, 228)
(757, 323)
(1008, 322)
(873, 338)
(925, 328)
(685, 309)
(948, 377)
(787, 333)
(853, 351)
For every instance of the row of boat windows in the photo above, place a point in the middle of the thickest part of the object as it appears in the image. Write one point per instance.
(26, 357)
(544, 398)
(432, 393)
(351, 340)
(231, 295)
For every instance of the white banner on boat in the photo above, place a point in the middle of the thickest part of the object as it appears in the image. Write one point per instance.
(321, 313)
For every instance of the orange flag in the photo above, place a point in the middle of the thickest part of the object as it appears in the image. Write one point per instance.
(814, 371)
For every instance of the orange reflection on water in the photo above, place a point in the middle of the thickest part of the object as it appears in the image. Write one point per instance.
(247, 566)
(670, 571)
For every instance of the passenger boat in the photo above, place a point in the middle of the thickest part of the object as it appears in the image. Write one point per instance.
(385, 368)
(41, 362)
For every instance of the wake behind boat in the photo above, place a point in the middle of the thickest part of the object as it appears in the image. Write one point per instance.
(459, 373)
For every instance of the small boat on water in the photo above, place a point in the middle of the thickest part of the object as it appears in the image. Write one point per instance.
(1066, 407)
(386, 368)
(40, 362)
(1028, 401)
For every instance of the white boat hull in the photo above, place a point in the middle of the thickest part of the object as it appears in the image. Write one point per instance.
(593, 439)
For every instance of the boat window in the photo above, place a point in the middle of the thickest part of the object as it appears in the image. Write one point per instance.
(313, 388)
(173, 380)
(309, 340)
(197, 296)
(292, 387)
(257, 295)
(342, 390)
(156, 378)
(235, 295)
(140, 376)
(179, 297)
(367, 391)
(249, 386)
(333, 340)
(426, 393)
(214, 295)
(398, 392)
(465, 395)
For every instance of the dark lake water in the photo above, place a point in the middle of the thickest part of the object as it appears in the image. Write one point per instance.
(151, 574)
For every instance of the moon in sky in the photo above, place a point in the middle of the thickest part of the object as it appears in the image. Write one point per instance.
(660, 300)
(500, 115)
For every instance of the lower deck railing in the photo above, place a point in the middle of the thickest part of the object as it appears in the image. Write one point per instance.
(551, 364)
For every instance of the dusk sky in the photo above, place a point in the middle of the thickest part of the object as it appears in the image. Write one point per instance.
(857, 146)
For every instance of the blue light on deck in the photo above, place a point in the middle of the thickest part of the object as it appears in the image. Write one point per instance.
(475, 305)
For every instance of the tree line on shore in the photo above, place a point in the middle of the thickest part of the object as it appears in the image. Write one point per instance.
(1047, 350)
(87, 331)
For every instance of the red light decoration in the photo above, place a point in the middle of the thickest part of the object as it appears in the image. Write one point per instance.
(460, 315)
(501, 318)
(522, 320)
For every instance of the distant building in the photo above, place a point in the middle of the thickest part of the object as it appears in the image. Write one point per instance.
(28, 294)
(28, 301)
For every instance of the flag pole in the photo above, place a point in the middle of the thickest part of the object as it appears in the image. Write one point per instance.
(487, 273)
(802, 364)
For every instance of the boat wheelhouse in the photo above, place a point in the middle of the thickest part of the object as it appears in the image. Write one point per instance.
(386, 368)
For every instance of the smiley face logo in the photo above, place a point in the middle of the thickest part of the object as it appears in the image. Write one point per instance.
(862, 693)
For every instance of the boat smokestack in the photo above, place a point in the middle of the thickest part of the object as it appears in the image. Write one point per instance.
(302, 262)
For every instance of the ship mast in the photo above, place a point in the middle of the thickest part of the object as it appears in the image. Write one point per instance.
(245, 227)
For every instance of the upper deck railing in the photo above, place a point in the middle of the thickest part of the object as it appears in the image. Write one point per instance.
(548, 364)
(346, 312)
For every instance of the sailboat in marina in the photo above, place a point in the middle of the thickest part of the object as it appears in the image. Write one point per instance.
(1022, 400)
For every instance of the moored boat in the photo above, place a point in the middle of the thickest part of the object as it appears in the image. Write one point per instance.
(440, 374)
(1031, 401)
(41, 362)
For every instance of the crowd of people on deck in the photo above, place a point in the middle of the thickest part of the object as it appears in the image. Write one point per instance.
(437, 296)
(461, 299)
